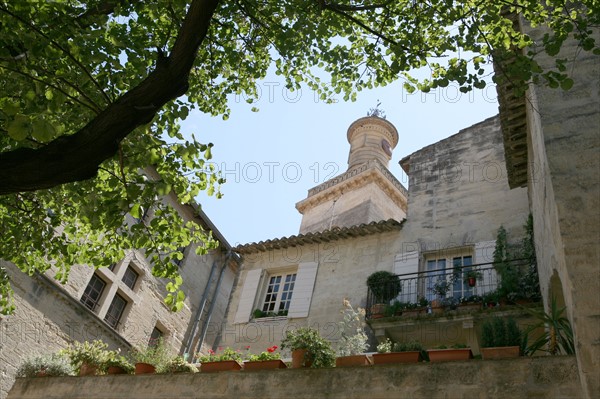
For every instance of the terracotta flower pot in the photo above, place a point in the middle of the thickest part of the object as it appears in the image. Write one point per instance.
(444, 355)
(88, 369)
(115, 370)
(397, 357)
(501, 352)
(225, 365)
(377, 310)
(472, 281)
(264, 365)
(298, 359)
(353, 360)
(144, 368)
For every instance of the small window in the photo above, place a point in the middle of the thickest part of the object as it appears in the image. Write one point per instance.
(130, 277)
(279, 294)
(93, 292)
(155, 337)
(115, 311)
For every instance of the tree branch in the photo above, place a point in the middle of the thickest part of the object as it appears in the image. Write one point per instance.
(78, 156)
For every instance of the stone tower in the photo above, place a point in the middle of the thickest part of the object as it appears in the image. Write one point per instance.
(367, 191)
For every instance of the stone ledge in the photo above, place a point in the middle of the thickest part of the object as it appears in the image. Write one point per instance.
(540, 377)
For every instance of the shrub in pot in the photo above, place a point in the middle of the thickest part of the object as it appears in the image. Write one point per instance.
(177, 364)
(118, 364)
(398, 352)
(227, 359)
(353, 338)
(308, 348)
(53, 365)
(151, 358)
(500, 338)
(269, 359)
(384, 285)
(88, 358)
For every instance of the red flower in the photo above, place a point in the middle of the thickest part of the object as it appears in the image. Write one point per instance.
(248, 347)
(272, 349)
(210, 351)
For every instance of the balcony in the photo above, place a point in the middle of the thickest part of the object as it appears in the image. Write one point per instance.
(446, 306)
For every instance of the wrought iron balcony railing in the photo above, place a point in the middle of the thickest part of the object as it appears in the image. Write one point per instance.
(477, 283)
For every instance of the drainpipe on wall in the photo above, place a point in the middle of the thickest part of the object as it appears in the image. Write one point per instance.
(200, 310)
(212, 304)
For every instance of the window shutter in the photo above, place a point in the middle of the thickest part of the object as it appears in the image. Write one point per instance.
(247, 296)
(484, 253)
(303, 289)
(407, 262)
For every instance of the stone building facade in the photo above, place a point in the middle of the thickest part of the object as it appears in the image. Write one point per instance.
(121, 305)
(457, 199)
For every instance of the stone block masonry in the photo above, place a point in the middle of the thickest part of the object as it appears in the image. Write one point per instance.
(542, 377)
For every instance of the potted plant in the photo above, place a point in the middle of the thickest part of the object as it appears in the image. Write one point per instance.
(227, 360)
(53, 365)
(470, 278)
(87, 358)
(353, 339)
(308, 348)
(177, 364)
(440, 289)
(397, 352)
(384, 286)
(117, 364)
(470, 303)
(269, 359)
(414, 309)
(148, 360)
(500, 338)
(558, 334)
(455, 352)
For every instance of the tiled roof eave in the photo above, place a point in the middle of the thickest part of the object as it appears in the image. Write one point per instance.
(325, 236)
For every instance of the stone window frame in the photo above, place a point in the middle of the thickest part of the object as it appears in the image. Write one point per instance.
(130, 276)
(114, 285)
(266, 296)
(114, 314)
(86, 299)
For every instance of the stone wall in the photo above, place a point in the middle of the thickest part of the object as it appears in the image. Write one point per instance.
(343, 268)
(547, 377)
(564, 190)
(46, 320)
(459, 194)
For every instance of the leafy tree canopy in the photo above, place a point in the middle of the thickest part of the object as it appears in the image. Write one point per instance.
(93, 93)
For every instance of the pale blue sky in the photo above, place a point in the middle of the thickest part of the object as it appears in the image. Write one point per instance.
(272, 157)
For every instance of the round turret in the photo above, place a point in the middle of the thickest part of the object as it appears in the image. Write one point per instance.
(371, 138)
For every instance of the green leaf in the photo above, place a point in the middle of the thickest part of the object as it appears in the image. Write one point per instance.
(19, 128)
(43, 130)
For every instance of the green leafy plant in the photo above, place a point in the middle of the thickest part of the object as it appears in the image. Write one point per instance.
(384, 286)
(221, 355)
(558, 335)
(270, 354)
(498, 331)
(441, 287)
(318, 349)
(177, 364)
(385, 346)
(156, 354)
(353, 339)
(115, 359)
(477, 275)
(258, 314)
(408, 346)
(53, 365)
(93, 353)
